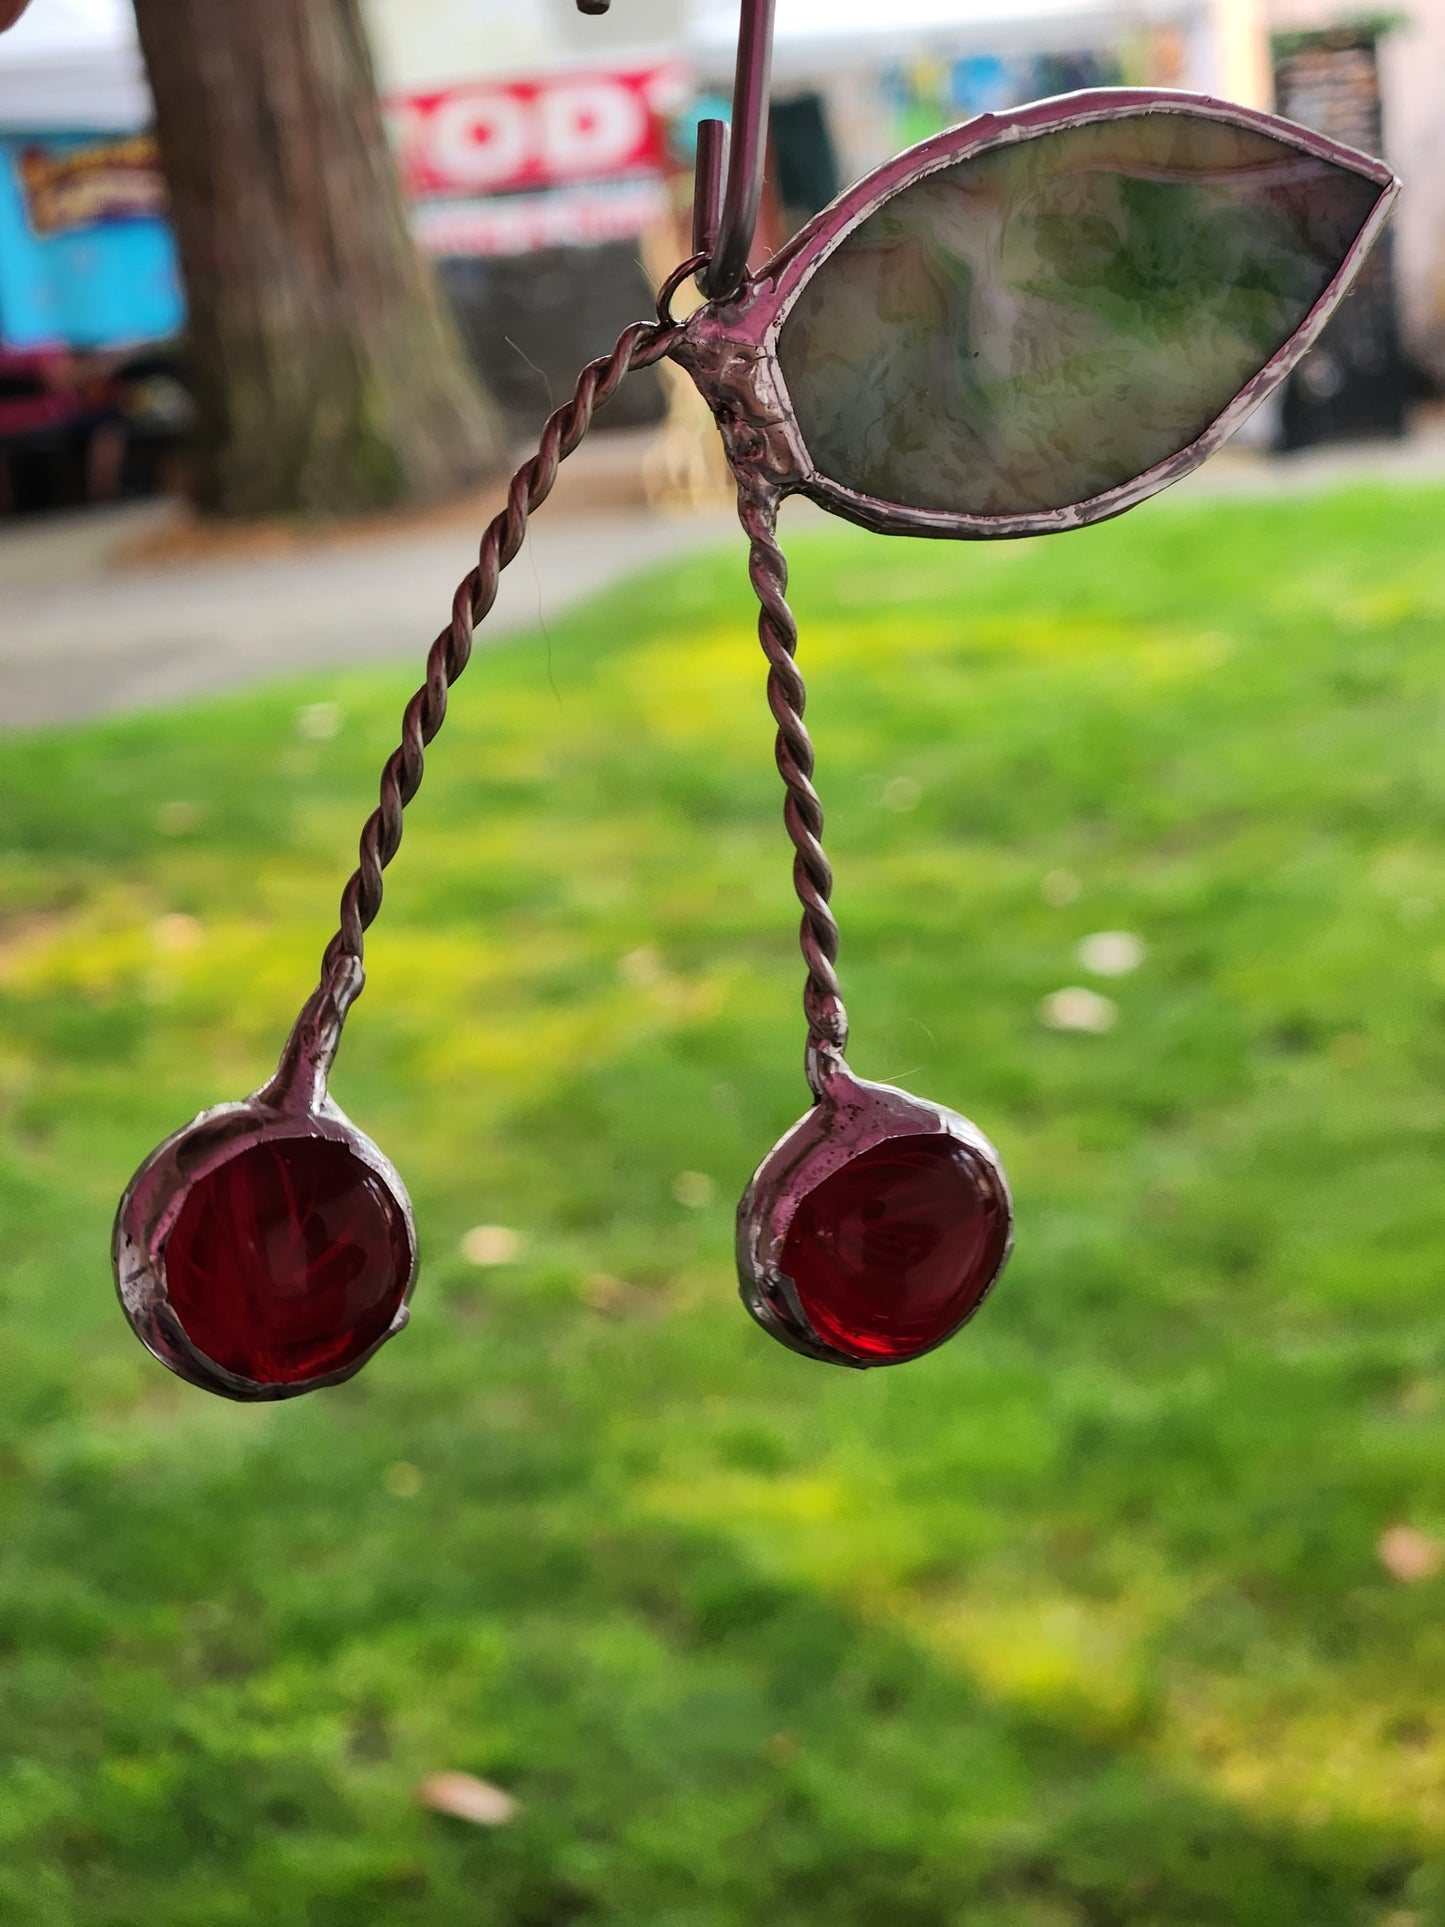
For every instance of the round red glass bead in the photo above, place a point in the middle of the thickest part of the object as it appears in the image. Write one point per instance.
(892, 1252)
(289, 1261)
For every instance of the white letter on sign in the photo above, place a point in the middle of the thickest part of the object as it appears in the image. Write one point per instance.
(591, 127)
(479, 140)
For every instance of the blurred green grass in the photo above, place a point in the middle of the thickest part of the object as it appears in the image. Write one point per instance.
(1080, 1620)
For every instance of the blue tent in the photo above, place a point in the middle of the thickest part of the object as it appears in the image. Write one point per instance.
(86, 256)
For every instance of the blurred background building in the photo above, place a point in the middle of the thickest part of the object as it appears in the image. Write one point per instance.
(547, 157)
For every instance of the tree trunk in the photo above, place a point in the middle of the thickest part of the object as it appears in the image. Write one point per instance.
(328, 377)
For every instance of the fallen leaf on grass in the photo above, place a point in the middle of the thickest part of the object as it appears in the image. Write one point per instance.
(694, 1189)
(642, 967)
(402, 1480)
(492, 1244)
(1112, 953)
(615, 1298)
(465, 1797)
(1078, 1009)
(178, 932)
(1410, 1556)
(319, 722)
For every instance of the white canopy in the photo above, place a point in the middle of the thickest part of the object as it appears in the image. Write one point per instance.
(813, 35)
(73, 65)
(424, 43)
(76, 64)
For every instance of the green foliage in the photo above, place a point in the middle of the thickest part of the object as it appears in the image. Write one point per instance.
(1077, 1623)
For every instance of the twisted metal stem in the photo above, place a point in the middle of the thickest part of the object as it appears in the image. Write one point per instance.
(802, 811)
(313, 1042)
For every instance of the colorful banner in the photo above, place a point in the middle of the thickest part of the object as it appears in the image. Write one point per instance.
(86, 257)
(90, 184)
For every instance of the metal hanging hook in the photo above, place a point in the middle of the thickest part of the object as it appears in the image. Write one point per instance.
(725, 216)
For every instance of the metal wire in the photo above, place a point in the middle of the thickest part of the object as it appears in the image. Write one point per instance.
(802, 811)
(341, 976)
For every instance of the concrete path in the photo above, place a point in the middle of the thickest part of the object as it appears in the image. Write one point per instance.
(83, 634)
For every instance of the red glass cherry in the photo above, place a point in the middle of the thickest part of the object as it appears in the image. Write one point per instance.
(288, 1261)
(875, 1227)
(892, 1252)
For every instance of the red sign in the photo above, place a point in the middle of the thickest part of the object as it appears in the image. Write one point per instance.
(496, 137)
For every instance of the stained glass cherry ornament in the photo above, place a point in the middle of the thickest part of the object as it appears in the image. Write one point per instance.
(1023, 325)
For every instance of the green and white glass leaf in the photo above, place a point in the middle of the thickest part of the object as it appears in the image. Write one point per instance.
(1048, 319)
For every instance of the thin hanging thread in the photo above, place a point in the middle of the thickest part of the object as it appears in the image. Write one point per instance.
(802, 810)
(318, 1029)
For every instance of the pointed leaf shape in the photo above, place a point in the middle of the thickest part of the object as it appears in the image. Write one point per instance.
(1062, 318)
